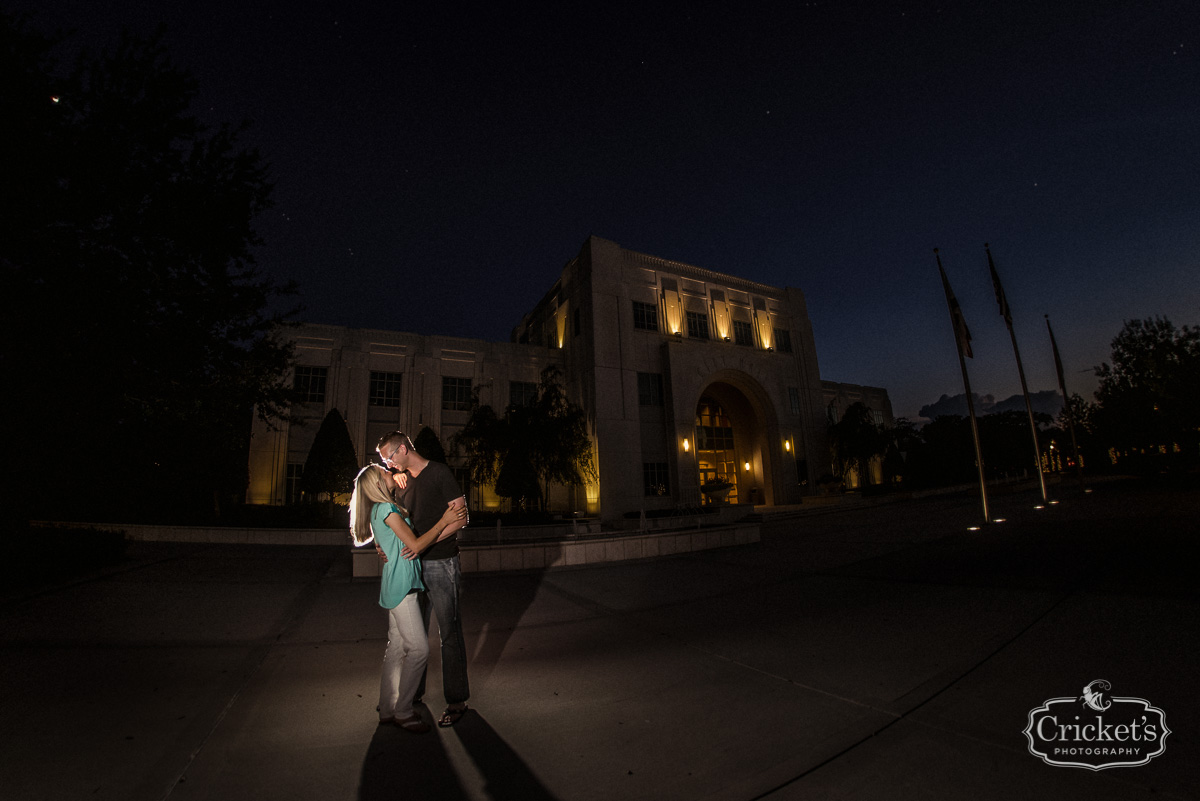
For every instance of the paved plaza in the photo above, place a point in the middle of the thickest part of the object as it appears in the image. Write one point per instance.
(861, 652)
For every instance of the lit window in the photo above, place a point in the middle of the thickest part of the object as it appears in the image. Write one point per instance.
(384, 389)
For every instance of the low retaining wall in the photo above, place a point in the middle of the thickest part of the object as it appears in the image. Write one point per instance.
(619, 548)
(521, 548)
(613, 547)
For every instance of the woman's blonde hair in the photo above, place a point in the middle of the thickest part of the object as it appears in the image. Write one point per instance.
(371, 486)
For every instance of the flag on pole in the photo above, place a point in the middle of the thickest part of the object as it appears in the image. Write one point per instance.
(1005, 312)
(961, 334)
(1057, 361)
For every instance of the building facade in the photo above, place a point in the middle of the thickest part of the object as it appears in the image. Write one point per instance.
(698, 386)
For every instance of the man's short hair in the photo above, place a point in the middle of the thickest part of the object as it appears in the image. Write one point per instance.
(393, 439)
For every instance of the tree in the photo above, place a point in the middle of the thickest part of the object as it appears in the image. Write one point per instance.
(331, 465)
(901, 440)
(1005, 439)
(1148, 394)
(545, 442)
(563, 449)
(428, 445)
(856, 440)
(481, 441)
(946, 455)
(134, 320)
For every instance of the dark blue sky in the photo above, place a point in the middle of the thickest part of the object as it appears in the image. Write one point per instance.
(436, 167)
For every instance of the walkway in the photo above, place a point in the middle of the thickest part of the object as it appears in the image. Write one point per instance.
(871, 653)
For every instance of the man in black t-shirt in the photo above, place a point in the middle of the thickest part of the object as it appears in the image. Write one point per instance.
(425, 491)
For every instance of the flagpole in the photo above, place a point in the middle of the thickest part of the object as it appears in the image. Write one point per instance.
(1066, 403)
(1006, 312)
(962, 342)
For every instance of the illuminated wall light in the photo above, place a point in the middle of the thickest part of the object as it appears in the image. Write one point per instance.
(973, 528)
(686, 445)
(1000, 520)
(787, 444)
(747, 466)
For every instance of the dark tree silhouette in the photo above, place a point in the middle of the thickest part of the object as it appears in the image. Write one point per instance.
(1148, 395)
(531, 446)
(429, 446)
(134, 321)
(856, 440)
(331, 464)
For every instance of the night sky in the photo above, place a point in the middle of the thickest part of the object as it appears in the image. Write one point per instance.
(437, 165)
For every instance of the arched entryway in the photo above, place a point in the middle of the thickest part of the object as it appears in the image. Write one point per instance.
(731, 426)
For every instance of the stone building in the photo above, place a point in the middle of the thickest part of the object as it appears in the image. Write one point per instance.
(688, 377)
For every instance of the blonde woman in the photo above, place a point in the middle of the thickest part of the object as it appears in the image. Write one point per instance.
(374, 515)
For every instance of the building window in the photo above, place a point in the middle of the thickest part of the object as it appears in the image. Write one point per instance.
(743, 333)
(650, 389)
(783, 340)
(645, 316)
(310, 384)
(456, 394)
(291, 488)
(878, 415)
(654, 479)
(794, 400)
(697, 325)
(832, 413)
(384, 389)
(522, 393)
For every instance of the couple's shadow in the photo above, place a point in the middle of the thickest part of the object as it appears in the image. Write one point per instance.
(399, 764)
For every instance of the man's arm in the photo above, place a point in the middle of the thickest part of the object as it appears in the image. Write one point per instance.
(461, 522)
(454, 518)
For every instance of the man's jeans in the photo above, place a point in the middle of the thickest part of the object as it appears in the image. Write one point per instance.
(443, 581)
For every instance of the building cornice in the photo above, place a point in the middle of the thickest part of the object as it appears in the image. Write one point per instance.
(700, 274)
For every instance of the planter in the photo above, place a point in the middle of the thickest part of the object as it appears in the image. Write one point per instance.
(716, 492)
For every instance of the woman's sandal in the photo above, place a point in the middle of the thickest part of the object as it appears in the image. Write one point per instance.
(451, 716)
(413, 724)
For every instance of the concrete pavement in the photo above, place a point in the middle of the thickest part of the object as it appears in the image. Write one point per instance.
(863, 653)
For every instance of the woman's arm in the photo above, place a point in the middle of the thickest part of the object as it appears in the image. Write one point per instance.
(417, 544)
(454, 518)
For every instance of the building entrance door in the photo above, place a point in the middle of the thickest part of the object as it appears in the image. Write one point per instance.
(716, 456)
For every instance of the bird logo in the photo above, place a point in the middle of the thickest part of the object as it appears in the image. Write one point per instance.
(1093, 695)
